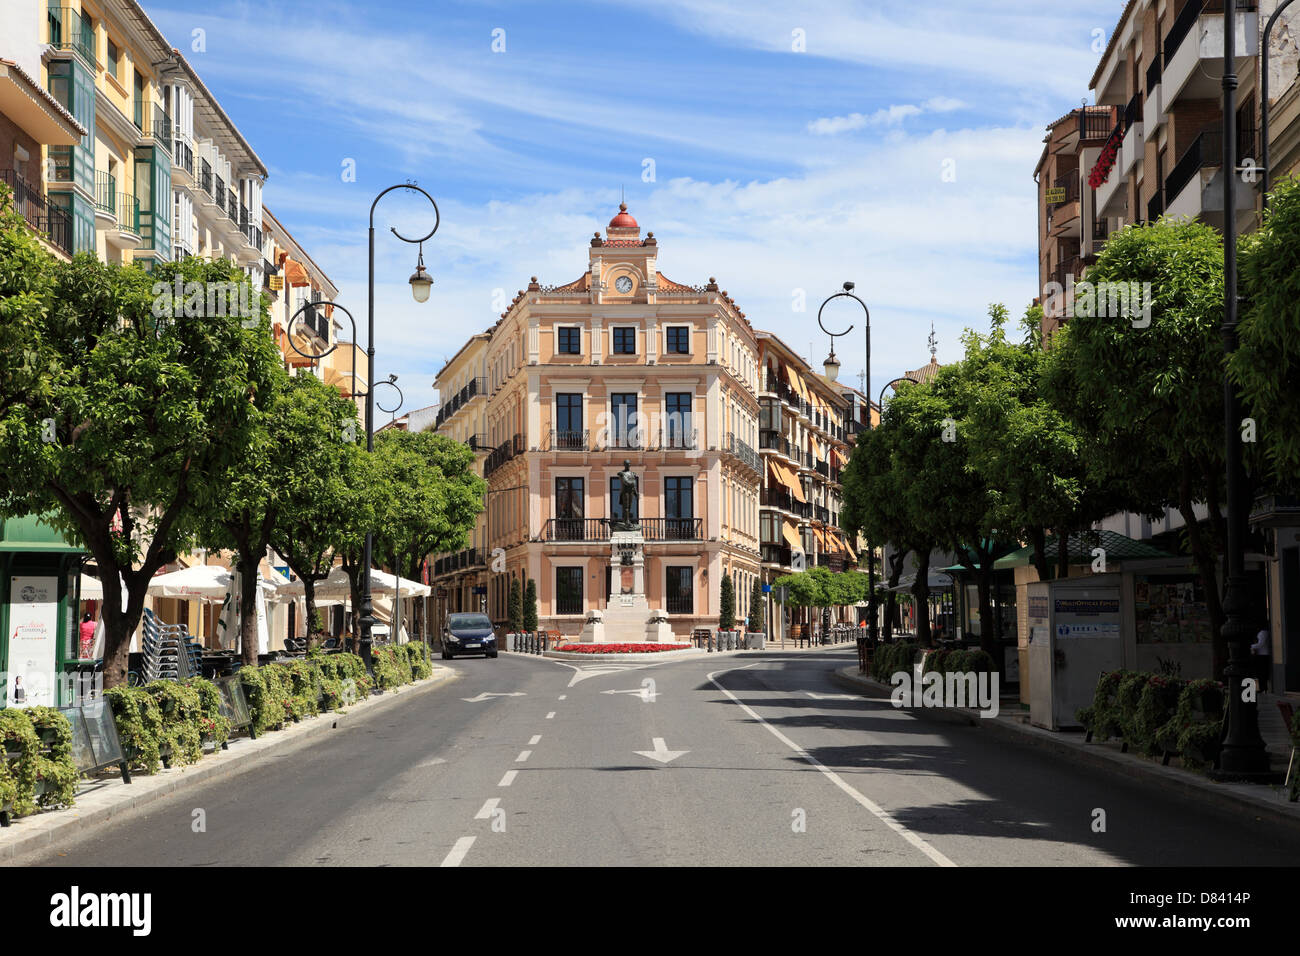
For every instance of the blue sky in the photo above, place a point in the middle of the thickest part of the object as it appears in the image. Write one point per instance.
(778, 170)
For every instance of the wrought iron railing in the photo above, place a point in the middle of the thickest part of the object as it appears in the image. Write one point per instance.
(598, 529)
(569, 440)
(38, 212)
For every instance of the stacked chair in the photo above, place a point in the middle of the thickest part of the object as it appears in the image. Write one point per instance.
(170, 653)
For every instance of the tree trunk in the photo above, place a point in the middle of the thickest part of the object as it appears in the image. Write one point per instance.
(311, 621)
(248, 584)
(921, 596)
(1208, 568)
(1062, 552)
(896, 562)
(1038, 538)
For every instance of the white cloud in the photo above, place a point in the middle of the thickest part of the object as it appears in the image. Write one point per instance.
(888, 116)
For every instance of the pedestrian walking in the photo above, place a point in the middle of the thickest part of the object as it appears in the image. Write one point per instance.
(87, 636)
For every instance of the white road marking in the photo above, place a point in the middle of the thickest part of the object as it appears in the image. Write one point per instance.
(832, 696)
(485, 812)
(562, 696)
(509, 778)
(434, 762)
(643, 692)
(523, 755)
(879, 812)
(536, 739)
(661, 752)
(458, 851)
(551, 715)
(486, 696)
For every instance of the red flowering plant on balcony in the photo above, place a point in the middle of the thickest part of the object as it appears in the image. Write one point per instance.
(620, 648)
(1106, 161)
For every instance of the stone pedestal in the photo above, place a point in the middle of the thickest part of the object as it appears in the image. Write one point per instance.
(627, 611)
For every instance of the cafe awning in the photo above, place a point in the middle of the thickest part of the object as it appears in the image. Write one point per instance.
(791, 532)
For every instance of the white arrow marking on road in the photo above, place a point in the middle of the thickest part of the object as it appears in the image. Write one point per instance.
(831, 696)
(661, 752)
(641, 692)
(487, 696)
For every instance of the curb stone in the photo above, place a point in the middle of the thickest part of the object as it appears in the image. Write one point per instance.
(1266, 804)
(106, 800)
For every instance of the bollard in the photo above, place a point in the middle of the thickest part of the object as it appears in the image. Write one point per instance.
(710, 641)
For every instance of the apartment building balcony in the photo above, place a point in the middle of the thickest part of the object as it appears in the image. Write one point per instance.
(38, 212)
(1194, 187)
(1133, 145)
(157, 129)
(475, 388)
(740, 449)
(117, 213)
(782, 500)
(1112, 198)
(1154, 113)
(772, 385)
(503, 453)
(478, 444)
(582, 530)
(777, 554)
(182, 159)
(1193, 50)
(459, 561)
(1063, 214)
(209, 191)
(69, 33)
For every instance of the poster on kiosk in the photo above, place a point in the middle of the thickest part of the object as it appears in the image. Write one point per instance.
(33, 640)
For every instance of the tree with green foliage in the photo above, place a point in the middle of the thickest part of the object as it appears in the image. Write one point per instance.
(1150, 396)
(323, 512)
(726, 604)
(757, 607)
(302, 426)
(530, 607)
(515, 607)
(1266, 365)
(122, 417)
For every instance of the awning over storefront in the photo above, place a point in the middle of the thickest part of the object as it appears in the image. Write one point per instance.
(791, 532)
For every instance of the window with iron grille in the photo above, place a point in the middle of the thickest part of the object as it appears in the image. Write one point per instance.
(624, 340)
(568, 412)
(680, 590)
(679, 339)
(570, 340)
(568, 590)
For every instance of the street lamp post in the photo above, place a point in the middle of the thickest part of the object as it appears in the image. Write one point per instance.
(832, 370)
(420, 284)
(1263, 99)
(1243, 755)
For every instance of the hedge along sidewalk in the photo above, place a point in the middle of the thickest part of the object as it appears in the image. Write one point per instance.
(105, 799)
(1264, 803)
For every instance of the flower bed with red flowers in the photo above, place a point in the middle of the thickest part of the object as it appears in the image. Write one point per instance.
(620, 648)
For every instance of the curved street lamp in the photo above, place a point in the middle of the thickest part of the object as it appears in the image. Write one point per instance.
(1263, 99)
(317, 356)
(832, 367)
(421, 282)
(881, 403)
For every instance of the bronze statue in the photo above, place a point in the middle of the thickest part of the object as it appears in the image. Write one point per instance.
(627, 499)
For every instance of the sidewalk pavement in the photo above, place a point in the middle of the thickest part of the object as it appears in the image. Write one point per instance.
(104, 798)
(1263, 802)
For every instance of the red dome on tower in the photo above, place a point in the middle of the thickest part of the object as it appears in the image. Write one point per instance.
(624, 219)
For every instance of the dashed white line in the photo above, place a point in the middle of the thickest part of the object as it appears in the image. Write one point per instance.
(880, 812)
(537, 738)
(523, 755)
(562, 696)
(458, 851)
(509, 778)
(551, 715)
(485, 812)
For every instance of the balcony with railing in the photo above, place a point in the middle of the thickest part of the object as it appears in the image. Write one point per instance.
(783, 500)
(1186, 189)
(206, 179)
(69, 33)
(778, 554)
(503, 453)
(461, 560)
(598, 529)
(743, 451)
(38, 212)
(474, 388)
(182, 157)
(158, 127)
(1193, 50)
(220, 193)
(478, 443)
(569, 439)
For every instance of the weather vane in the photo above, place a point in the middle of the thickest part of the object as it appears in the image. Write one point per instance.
(934, 342)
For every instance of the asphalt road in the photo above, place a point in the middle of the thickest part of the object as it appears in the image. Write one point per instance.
(777, 766)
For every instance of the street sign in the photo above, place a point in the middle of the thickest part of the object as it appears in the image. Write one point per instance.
(767, 589)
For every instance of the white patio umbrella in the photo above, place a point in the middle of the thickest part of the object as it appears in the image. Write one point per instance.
(205, 582)
(337, 585)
